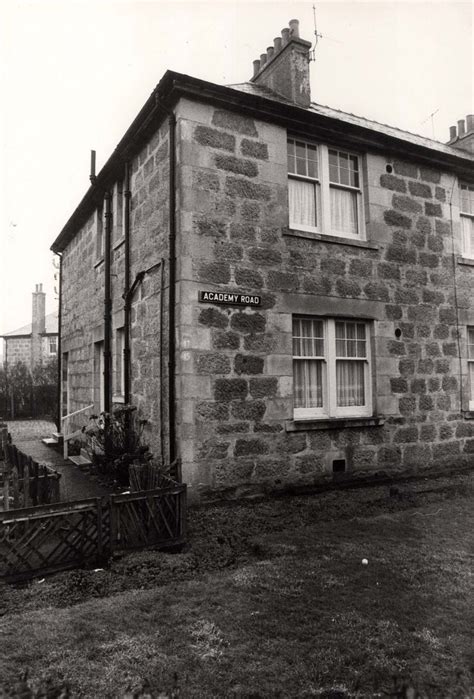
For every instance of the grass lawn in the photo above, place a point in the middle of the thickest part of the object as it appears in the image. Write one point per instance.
(291, 612)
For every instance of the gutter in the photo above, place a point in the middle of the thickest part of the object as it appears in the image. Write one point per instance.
(107, 303)
(59, 353)
(126, 295)
(172, 297)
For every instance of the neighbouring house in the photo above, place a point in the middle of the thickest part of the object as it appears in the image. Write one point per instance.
(283, 289)
(34, 344)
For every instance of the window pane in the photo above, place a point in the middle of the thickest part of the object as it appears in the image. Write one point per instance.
(343, 168)
(300, 150)
(350, 339)
(350, 383)
(308, 384)
(308, 337)
(471, 379)
(302, 201)
(301, 166)
(344, 211)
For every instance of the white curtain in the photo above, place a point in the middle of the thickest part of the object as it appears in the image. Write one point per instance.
(350, 383)
(302, 199)
(343, 211)
(308, 384)
(467, 225)
(471, 380)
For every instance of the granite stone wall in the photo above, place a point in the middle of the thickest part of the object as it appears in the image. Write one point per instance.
(83, 293)
(235, 371)
(18, 349)
(234, 374)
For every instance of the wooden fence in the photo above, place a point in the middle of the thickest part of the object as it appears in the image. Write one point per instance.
(40, 540)
(24, 481)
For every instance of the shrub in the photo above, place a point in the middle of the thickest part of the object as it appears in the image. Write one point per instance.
(114, 442)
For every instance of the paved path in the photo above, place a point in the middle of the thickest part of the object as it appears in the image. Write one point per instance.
(74, 484)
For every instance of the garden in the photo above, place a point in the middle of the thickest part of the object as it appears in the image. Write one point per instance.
(268, 599)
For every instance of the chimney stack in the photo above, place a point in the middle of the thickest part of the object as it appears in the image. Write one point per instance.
(284, 68)
(38, 324)
(463, 136)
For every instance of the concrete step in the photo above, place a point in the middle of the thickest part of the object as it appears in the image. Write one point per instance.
(50, 441)
(80, 460)
(56, 439)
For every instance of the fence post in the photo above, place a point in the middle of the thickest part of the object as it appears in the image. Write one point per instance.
(3, 440)
(100, 540)
(113, 523)
(6, 465)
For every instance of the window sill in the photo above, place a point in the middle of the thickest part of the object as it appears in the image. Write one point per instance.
(333, 423)
(324, 238)
(468, 414)
(469, 261)
(118, 399)
(99, 262)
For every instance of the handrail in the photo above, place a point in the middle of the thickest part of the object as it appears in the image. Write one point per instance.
(66, 436)
(76, 412)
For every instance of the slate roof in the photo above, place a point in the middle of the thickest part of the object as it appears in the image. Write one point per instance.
(51, 326)
(348, 118)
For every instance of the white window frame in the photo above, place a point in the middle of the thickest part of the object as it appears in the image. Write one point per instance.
(119, 363)
(322, 184)
(466, 242)
(330, 409)
(98, 396)
(470, 363)
(118, 206)
(99, 233)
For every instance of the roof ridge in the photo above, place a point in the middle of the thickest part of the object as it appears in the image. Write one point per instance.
(380, 123)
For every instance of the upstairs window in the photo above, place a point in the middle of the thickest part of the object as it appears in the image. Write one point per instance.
(117, 213)
(99, 228)
(324, 190)
(470, 365)
(344, 191)
(331, 368)
(466, 208)
(303, 184)
(53, 345)
(119, 363)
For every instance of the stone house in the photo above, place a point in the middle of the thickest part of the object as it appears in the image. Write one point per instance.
(36, 343)
(283, 289)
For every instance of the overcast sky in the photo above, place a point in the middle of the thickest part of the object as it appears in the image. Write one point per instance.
(74, 75)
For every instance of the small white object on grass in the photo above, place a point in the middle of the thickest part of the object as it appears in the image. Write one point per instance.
(365, 562)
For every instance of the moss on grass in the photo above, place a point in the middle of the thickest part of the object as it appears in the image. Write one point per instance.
(270, 600)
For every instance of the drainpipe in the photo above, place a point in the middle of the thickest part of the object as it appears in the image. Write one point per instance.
(59, 353)
(172, 295)
(126, 342)
(107, 302)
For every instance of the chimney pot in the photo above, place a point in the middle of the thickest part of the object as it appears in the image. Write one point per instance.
(289, 72)
(452, 133)
(470, 122)
(294, 28)
(256, 67)
(461, 128)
